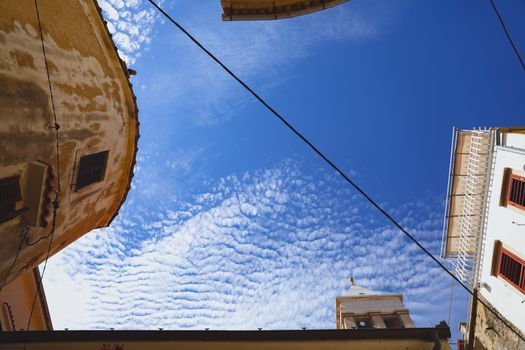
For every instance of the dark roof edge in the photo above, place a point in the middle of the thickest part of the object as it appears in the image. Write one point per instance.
(272, 12)
(517, 129)
(442, 332)
(136, 114)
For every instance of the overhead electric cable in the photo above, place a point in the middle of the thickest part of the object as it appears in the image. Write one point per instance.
(451, 300)
(332, 164)
(509, 38)
(56, 126)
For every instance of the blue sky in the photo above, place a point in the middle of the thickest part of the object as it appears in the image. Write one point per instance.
(234, 223)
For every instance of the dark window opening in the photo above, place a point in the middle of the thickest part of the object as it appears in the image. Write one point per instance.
(91, 169)
(393, 322)
(512, 269)
(516, 192)
(9, 195)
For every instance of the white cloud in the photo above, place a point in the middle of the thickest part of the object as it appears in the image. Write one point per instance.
(131, 23)
(263, 53)
(258, 250)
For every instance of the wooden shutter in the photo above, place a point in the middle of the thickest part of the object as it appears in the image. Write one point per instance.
(516, 191)
(512, 269)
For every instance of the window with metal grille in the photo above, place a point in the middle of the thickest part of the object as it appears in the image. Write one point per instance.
(516, 191)
(91, 169)
(512, 269)
(9, 195)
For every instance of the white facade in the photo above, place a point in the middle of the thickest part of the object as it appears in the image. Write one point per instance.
(481, 213)
(505, 224)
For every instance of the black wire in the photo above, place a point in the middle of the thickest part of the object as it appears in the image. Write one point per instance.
(507, 34)
(57, 193)
(55, 126)
(41, 238)
(332, 164)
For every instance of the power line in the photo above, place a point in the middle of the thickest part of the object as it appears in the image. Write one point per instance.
(56, 127)
(451, 300)
(330, 163)
(41, 238)
(507, 34)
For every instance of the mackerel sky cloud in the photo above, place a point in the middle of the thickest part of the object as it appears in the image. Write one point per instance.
(270, 248)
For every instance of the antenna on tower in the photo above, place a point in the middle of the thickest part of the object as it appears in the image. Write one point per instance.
(352, 281)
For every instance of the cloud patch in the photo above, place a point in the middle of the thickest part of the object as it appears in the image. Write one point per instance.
(131, 23)
(270, 248)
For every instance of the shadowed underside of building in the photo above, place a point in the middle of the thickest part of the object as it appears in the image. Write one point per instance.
(356, 339)
(247, 10)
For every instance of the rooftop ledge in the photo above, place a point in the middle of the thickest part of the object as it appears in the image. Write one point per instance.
(442, 332)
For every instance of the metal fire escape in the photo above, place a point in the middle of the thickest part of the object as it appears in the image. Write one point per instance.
(473, 213)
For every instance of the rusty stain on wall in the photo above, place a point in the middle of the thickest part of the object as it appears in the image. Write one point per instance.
(95, 109)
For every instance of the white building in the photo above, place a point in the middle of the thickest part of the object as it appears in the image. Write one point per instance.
(484, 233)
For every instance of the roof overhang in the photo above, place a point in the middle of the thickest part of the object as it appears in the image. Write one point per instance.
(249, 10)
(356, 339)
(456, 192)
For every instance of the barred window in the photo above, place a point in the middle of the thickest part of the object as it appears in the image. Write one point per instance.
(516, 191)
(512, 269)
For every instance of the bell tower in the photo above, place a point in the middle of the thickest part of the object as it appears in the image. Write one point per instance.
(364, 308)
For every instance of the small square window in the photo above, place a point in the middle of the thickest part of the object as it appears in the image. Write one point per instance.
(91, 169)
(9, 195)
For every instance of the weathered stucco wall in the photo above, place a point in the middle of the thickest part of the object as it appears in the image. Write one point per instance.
(95, 108)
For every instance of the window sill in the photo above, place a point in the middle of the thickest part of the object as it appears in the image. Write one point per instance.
(12, 215)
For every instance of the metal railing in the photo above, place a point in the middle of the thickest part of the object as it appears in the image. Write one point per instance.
(473, 205)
